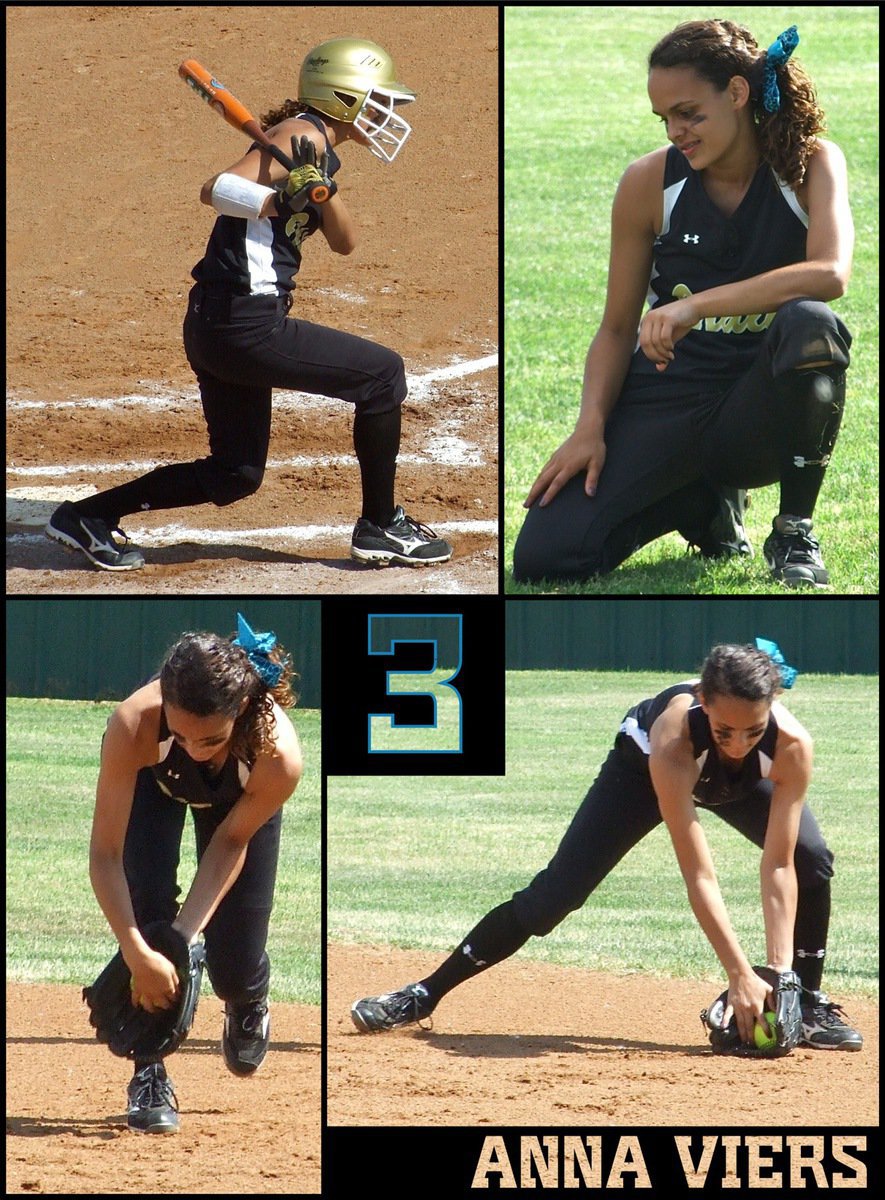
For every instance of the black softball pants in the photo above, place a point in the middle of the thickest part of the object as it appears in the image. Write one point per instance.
(621, 808)
(666, 458)
(236, 936)
(241, 347)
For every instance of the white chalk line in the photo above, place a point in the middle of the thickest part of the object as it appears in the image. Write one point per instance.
(277, 536)
(443, 451)
(452, 453)
(420, 388)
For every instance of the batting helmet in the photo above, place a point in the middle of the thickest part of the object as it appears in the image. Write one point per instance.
(352, 80)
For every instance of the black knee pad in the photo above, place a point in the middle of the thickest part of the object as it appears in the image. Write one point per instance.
(225, 485)
(812, 403)
(808, 331)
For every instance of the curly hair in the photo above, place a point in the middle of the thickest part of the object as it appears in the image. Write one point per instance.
(741, 671)
(289, 108)
(206, 675)
(719, 50)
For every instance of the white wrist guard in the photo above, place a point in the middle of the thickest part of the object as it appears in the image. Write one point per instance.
(233, 196)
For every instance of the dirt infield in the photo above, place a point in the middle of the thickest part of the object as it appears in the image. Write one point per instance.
(97, 281)
(66, 1113)
(531, 1044)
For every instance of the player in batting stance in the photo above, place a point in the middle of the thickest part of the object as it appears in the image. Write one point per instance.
(239, 342)
(722, 742)
(738, 235)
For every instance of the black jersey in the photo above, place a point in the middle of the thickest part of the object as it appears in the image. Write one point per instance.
(258, 258)
(193, 783)
(718, 782)
(700, 248)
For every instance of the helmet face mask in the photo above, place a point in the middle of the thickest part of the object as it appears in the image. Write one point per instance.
(354, 81)
(385, 130)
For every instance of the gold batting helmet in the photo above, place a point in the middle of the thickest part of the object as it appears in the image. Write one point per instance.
(352, 80)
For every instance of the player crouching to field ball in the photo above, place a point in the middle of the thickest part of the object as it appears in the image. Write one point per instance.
(209, 733)
(722, 742)
(738, 234)
(239, 342)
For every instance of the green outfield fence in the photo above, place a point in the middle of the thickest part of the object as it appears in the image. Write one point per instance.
(87, 649)
(818, 636)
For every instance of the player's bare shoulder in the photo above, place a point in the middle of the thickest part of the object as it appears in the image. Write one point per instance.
(794, 755)
(640, 191)
(296, 127)
(133, 727)
(669, 733)
(281, 766)
(826, 165)
(790, 729)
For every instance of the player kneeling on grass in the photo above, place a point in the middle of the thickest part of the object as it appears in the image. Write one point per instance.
(239, 342)
(737, 377)
(209, 734)
(722, 742)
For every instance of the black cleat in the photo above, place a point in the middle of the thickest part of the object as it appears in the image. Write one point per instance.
(402, 541)
(823, 1027)
(94, 539)
(152, 1104)
(245, 1037)
(377, 1014)
(793, 553)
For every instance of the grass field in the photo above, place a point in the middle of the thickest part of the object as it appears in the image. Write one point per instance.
(55, 931)
(416, 863)
(576, 114)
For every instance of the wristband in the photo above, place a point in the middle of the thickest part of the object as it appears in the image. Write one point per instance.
(233, 196)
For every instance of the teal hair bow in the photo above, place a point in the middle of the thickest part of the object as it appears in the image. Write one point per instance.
(788, 673)
(258, 647)
(778, 53)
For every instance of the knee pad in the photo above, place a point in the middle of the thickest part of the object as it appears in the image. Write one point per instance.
(808, 331)
(812, 405)
(225, 485)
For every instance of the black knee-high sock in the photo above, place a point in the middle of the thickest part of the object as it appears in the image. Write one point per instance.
(810, 935)
(496, 937)
(175, 486)
(376, 439)
(810, 405)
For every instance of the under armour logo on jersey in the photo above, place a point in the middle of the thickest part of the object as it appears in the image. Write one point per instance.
(691, 237)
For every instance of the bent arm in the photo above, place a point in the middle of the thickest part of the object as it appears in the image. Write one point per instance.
(259, 166)
(272, 782)
(824, 274)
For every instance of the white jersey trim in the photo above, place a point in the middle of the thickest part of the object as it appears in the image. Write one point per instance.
(259, 256)
(792, 203)
(630, 726)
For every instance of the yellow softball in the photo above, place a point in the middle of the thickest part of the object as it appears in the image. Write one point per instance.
(763, 1040)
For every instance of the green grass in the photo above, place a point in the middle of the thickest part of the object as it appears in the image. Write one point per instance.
(576, 114)
(415, 863)
(55, 931)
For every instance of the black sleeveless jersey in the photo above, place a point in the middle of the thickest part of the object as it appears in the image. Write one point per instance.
(258, 258)
(699, 248)
(718, 783)
(193, 783)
